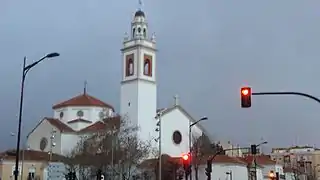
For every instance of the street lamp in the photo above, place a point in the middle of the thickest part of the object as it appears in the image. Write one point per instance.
(253, 152)
(25, 70)
(190, 146)
(229, 174)
(158, 129)
(52, 143)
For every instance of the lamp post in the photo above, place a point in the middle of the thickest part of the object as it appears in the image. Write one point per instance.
(52, 143)
(229, 174)
(255, 160)
(25, 70)
(190, 146)
(158, 129)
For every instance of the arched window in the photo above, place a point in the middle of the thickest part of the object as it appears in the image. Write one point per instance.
(129, 67)
(133, 32)
(147, 67)
(144, 32)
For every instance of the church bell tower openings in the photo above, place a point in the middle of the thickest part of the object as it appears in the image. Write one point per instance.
(138, 85)
(129, 65)
(147, 65)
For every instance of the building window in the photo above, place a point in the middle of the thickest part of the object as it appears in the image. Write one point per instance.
(43, 143)
(176, 137)
(80, 113)
(61, 115)
(129, 65)
(133, 32)
(147, 66)
(145, 32)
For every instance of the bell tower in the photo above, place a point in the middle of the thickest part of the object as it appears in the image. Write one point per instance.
(138, 85)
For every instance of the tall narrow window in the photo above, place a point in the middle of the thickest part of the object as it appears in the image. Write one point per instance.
(133, 32)
(129, 65)
(147, 65)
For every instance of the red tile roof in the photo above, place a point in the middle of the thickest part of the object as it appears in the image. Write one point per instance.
(83, 100)
(59, 125)
(30, 155)
(260, 159)
(108, 123)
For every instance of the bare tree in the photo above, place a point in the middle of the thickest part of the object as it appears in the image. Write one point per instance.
(171, 168)
(116, 149)
(202, 148)
(79, 159)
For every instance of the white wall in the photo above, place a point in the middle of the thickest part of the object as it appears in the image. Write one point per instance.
(44, 131)
(89, 113)
(68, 142)
(239, 172)
(175, 120)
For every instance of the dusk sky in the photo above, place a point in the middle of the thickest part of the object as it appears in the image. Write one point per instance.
(208, 49)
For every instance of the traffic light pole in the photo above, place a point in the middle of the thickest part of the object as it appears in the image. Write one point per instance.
(287, 93)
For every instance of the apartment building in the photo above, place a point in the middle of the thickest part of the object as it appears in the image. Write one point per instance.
(303, 161)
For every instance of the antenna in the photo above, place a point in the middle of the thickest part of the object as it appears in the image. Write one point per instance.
(140, 5)
(85, 87)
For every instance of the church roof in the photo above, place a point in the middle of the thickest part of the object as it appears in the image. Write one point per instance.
(139, 13)
(107, 123)
(30, 155)
(58, 124)
(260, 159)
(83, 100)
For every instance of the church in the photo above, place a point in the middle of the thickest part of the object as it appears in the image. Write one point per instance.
(84, 113)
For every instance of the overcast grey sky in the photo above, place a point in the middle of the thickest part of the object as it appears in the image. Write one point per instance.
(208, 49)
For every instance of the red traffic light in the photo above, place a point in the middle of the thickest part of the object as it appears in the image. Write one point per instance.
(245, 97)
(185, 157)
(244, 92)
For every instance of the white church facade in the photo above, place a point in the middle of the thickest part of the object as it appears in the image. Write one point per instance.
(138, 104)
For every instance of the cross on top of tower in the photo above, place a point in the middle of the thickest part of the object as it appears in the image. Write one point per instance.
(140, 5)
(176, 100)
(85, 87)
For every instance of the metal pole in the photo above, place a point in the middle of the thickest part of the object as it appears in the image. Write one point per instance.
(16, 170)
(112, 154)
(160, 158)
(231, 175)
(22, 163)
(255, 167)
(190, 150)
(288, 93)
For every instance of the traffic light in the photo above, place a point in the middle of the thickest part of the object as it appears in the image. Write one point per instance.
(186, 161)
(73, 176)
(277, 176)
(272, 176)
(253, 149)
(99, 175)
(209, 169)
(245, 97)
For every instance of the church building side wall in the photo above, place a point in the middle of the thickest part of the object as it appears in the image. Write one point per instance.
(43, 132)
(175, 121)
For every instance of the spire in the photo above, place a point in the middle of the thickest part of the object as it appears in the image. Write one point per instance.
(85, 87)
(140, 5)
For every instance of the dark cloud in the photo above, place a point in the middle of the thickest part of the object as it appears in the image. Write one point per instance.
(207, 51)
